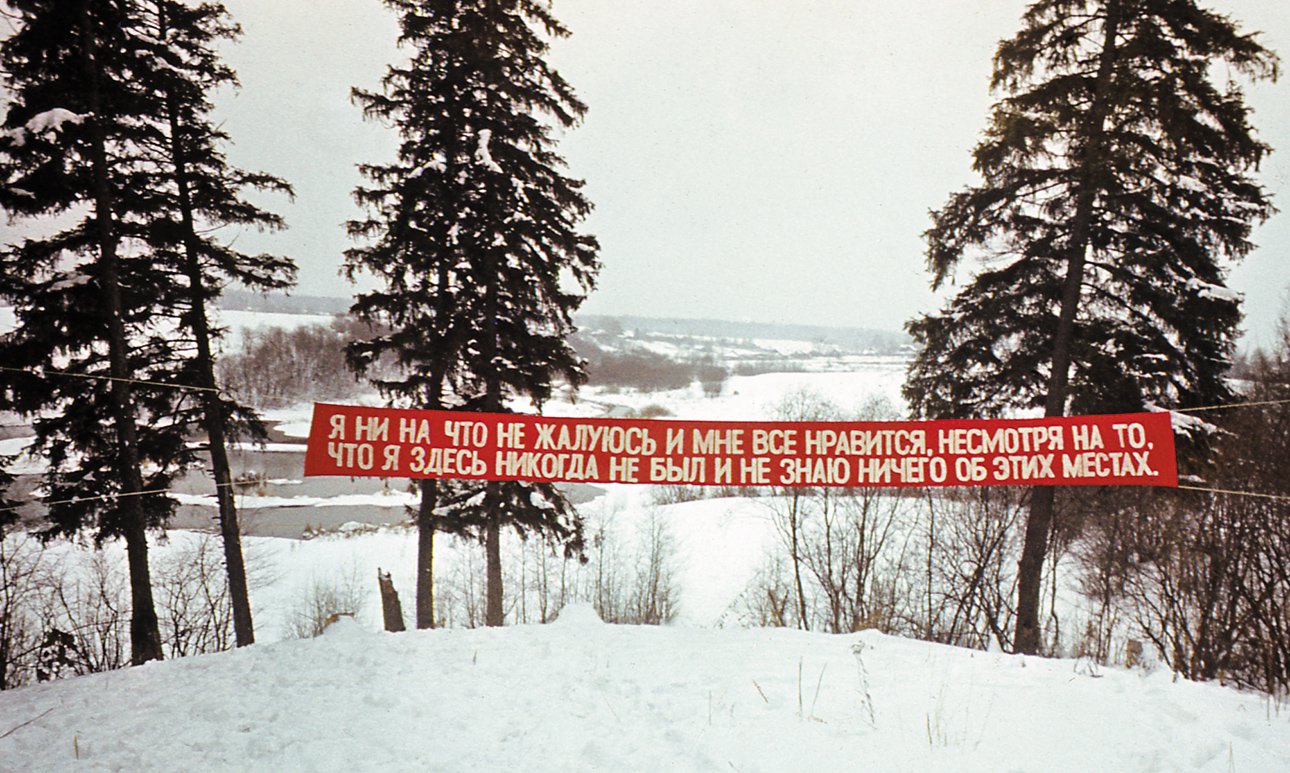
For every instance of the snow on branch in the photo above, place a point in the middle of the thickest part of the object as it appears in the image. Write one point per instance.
(44, 123)
(1217, 292)
(483, 154)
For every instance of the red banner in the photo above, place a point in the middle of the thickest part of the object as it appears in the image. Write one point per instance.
(1122, 450)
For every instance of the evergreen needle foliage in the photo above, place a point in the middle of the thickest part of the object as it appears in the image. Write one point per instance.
(1116, 188)
(473, 232)
(107, 147)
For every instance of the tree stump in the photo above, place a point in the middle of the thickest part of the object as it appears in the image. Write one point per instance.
(391, 609)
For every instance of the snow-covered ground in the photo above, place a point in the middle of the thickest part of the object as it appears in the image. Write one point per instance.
(21, 463)
(701, 694)
(753, 398)
(579, 695)
(718, 546)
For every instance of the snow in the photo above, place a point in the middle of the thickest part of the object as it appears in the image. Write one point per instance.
(273, 448)
(751, 398)
(720, 544)
(580, 615)
(1216, 292)
(1186, 423)
(577, 695)
(22, 464)
(43, 123)
(745, 398)
(295, 428)
(483, 153)
(784, 347)
(53, 120)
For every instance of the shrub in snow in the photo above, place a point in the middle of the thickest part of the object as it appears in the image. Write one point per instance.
(323, 600)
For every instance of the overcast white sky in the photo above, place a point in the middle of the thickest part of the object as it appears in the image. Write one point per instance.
(768, 160)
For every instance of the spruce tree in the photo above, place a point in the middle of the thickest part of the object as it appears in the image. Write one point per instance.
(73, 148)
(473, 230)
(198, 192)
(166, 190)
(1116, 189)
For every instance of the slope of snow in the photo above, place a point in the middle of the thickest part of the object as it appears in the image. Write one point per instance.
(581, 695)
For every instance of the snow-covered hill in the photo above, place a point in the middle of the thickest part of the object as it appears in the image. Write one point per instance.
(581, 695)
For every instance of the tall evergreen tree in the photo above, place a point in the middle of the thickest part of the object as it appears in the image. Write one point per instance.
(73, 148)
(160, 195)
(473, 230)
(197, 192)
(1116, 187)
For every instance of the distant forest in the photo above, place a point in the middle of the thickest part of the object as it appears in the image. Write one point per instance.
(848, 338)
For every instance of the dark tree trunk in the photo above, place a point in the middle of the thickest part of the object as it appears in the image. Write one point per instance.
(793, 514)
(1030, 569)
(493, 612)
(214, 417)
(425, 554)
(145, 635)
(429, 500)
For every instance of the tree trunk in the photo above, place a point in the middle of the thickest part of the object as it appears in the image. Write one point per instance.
(793, 511)
(1026, 638)
(145, 634)
(425, 554)
(493, 612)
(213, 417)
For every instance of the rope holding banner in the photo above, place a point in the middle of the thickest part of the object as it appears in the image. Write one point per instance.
(1228, 492)
(1225, 406)
(75, 500)
(99, 377)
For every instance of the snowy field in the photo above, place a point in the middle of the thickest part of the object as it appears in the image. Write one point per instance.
(579, 695)
(752, 398)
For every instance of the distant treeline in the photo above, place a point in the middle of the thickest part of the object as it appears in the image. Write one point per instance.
(854, 339)
(648, 371)
(280, 366)
(847, 338)
(280, 303)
